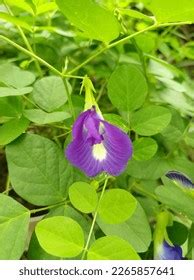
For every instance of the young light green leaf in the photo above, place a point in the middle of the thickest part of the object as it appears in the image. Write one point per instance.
(6, 91)
(14, 223)
(60, 236)
(40, 117)
(117, 206)
(94, 21)
(11, 75)
(136, 230)
(150, 120)
(50, 93)
(12, 129)
(111, 248)
(175, 198)
(38, 170)
(135, 14)
(127, 88)
(83, 197)
(173, 10)
(16, 21)
(144, 148)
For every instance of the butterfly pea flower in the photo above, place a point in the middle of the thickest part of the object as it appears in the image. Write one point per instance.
(180, 178)
(168, 252)
(98, 146)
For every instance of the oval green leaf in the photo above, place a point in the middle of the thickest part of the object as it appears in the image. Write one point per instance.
(40, 117)
(127, 88)
(38, 170)
(150, 120)
(116, 206)
(144, 148)
(111, 248)
(60, 236)
(83, 197)
(50, 93)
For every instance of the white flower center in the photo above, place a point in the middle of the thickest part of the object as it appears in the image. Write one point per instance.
(99, 152)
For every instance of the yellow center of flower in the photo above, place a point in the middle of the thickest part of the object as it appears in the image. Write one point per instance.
(99, 152)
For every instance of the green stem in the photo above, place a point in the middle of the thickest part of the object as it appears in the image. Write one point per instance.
(42, 61)
(125, 39)
(94, 220)
(48, 207)
(24, 39)
(70, 103)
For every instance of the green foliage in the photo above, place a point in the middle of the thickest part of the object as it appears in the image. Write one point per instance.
(50, 93)
(150, 120)
(111, 248)
(83, 197)
(136, 58)
(14, 224)
(116, 206)
(144, 148)
(40, 117)
(135, 230)
(45, 179)
(60, 236)
(172, 11)
(127, 88)
(91, 20)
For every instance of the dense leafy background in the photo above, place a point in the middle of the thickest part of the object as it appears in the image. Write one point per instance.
(139, 57)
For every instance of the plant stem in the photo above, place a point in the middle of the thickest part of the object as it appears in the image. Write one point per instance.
(70, 103)
(48, 207)
(24, 39)
(42, 61)
(7, 187)
(125, 39)
(94, 220)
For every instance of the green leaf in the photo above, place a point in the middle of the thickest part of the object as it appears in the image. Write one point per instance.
(94, 21)
(5, 91)
(191, 242)
(144, 148)
(38, 170)
(175, 130)
(11, 75)
(83, 197)
(14, 223)
(116, 206)
(150, 169)
(175, 198)
(135, 230)
(172, 11)
(150, 120)
(70, 212)
(12, 129)
(177, 233)
(127, 88)
(40, 117)
(117, 120)
(111, 248)
(50, 93)
(22, 4)
(10, 107)
(16, 21)
(135, 14)
(60, 236)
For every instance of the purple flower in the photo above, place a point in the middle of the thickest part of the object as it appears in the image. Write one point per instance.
(98, 146)
(167, 252)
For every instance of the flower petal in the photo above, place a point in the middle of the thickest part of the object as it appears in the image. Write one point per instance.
(118, 147)
(79, 123)
(168, 252)
(79, 152)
